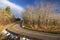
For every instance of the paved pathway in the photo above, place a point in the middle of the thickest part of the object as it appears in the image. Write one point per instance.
(40, 35)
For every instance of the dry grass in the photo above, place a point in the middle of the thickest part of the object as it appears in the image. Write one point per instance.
(43, 18)
(6, 18)
(44, 28)
(2, 27)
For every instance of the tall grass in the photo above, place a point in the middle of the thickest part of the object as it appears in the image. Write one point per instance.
(41, 18)
(5, 17)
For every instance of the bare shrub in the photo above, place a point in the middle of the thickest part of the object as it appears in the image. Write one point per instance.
(41, 17)
(5, 16)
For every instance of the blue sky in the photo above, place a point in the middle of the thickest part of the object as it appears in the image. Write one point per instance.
(17, 6)
(24, 3)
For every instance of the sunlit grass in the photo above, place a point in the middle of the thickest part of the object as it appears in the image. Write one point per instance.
(42, 18)
(6, 18)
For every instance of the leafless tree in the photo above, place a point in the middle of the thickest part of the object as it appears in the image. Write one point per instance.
(40, 16)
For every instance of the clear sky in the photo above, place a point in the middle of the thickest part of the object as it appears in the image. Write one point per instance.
(24, 3)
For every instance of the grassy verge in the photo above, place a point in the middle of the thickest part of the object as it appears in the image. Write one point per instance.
(43, 28)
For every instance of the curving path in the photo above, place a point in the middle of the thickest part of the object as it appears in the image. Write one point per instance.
(40, 35)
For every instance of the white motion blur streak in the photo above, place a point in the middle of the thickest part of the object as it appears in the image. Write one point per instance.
(12, 5)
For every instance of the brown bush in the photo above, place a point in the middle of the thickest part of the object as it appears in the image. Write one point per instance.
(41, 18)
(5, 17)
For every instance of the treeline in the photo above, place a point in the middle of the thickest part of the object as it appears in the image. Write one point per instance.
(5, 16)
(43, 17)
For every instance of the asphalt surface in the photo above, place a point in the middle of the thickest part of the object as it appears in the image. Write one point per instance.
(40, 35)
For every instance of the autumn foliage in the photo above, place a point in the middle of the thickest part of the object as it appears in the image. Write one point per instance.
(5, 16)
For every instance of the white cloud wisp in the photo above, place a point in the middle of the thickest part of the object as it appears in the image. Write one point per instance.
(17, 9)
